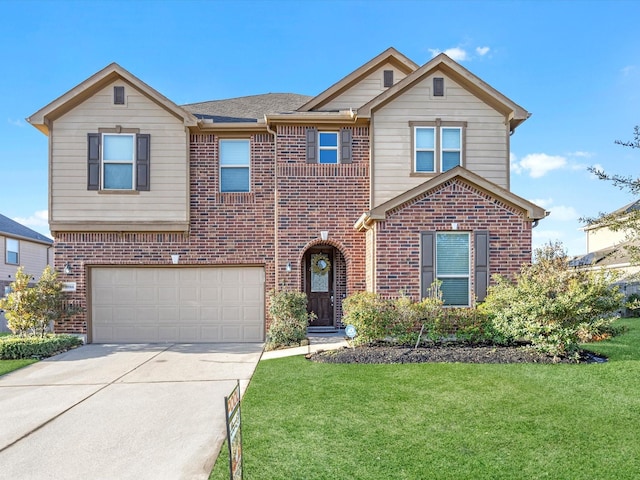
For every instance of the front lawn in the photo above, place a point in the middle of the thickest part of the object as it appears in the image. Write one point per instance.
(7, 366)
(304, 420)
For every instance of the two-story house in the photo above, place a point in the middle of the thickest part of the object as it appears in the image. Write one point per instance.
(175, 221)
(21, 247)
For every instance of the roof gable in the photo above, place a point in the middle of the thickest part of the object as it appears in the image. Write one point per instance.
(380, 212)
(514, 112)
(390, 55)
(42, 118)
(12, 228)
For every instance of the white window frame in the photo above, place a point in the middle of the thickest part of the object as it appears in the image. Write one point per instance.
(443, 149)
(247, 166)
(131, 162)
(416, 149)
(467, 275)
(329, 148)
(8, 250)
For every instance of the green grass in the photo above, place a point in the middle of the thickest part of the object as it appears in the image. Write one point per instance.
(7, 366)
(303, 420)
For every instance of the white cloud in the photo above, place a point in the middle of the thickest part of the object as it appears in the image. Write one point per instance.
(515, 166)
(15, 123)
(628, 70)
(539, 164)
(460, 54)
(563, 213)
(581, 154)
(546, 236)
(543, 202)
(36, 221)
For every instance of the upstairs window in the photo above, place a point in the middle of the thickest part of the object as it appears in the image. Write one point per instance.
(328, 147)
(235, 158)
(436, 148)
(118, 161)
(425, 150)
(118, 157)
(451, 153)
(12, 249)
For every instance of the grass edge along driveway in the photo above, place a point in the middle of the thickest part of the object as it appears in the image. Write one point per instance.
(303, 420)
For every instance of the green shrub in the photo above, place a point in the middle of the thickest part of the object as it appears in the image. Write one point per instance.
(289, 319)
(30, 310)
(15, 347)
(372, 316)
(549, 304)
(408, 322)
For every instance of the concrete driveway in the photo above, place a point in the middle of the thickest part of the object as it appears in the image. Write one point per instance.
(153, 411)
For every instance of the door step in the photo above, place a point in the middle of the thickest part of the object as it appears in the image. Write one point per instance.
(322, 329)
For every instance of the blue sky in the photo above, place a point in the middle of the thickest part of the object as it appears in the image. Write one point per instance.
(575, 65)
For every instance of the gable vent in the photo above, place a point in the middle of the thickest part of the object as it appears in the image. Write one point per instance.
(388, 78)
(118, 95)
(438, 87)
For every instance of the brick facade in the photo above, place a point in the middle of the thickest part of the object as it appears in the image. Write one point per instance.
(239, 228)
(453, 202)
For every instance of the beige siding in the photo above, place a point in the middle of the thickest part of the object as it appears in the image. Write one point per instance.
(601, 238)
(34, 257)
(168, 198)
(366, 89)
(486, 151)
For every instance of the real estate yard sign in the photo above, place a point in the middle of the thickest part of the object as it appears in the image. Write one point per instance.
(234, 432)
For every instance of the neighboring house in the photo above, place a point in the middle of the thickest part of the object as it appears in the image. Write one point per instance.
(611, 250)
(175, 221)
(21, 247)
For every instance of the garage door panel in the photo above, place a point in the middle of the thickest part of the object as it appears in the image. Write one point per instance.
(177, 304)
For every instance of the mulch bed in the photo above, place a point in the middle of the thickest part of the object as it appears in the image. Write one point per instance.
(381, 354)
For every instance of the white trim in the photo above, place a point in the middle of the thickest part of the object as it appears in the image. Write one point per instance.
(416, 150)
(329, 148)
(468, 276)
(443, 150)
(131, 162)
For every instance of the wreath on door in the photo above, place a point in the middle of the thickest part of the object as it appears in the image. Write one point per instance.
(320, 264)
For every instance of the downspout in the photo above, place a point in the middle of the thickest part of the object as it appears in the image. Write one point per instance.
(275, 200)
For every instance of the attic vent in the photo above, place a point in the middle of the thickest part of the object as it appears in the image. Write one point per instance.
(388, 78)
(438, 87)
(118, 95)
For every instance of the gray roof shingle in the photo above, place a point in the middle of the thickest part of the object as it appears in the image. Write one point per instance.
(12, 228)
(247, 109)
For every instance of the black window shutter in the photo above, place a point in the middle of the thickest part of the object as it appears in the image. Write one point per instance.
(93, 161)
(438, 87)
(345, 145)
(427, 262)
(143, 172)
(388, 78)
(481, 264)
(118, 95)
(312, 145)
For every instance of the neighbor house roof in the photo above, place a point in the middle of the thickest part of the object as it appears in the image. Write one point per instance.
(42, 118)
(11, 228)
(247, 109)
(380, 212)
(514, 112)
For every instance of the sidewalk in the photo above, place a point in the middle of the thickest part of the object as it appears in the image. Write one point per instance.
(317, 341)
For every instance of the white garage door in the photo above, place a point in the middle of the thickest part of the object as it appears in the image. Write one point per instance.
(177, 304)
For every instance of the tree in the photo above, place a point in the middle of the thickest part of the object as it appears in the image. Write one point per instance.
(627, 221)
(31, 309)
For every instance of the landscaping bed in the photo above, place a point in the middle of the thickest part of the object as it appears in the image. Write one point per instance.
(443, 353)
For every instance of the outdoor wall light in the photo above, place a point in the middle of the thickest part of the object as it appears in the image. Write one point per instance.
(67, 268)
(288, 267)
(324, 234)
(175, 258)
(454, 226)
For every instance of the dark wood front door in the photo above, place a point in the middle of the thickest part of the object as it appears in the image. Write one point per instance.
(319, 285)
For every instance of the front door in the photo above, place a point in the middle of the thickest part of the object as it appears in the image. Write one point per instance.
(319, 285)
